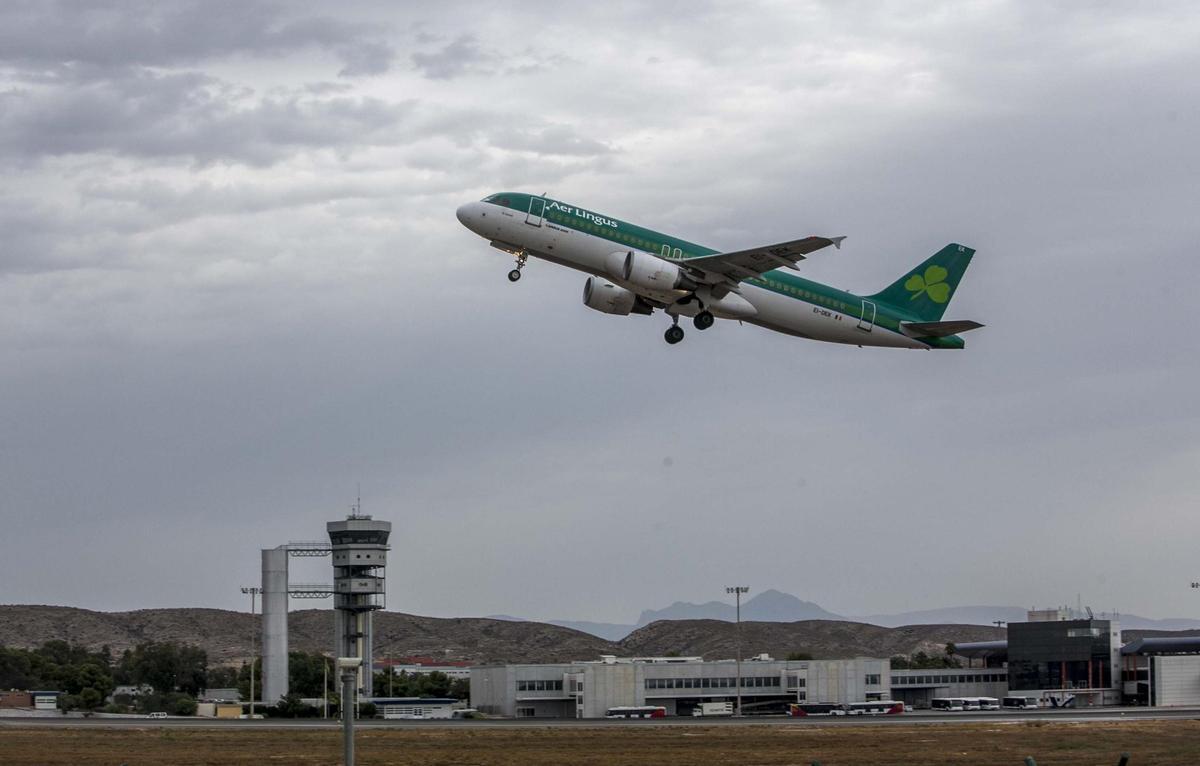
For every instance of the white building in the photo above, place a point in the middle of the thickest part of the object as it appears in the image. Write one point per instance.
(678, 684)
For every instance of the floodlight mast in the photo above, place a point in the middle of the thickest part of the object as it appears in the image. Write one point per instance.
(253, 591)
(738, 590)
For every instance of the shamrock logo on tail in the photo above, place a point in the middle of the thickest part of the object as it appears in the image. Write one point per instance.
(932, 284)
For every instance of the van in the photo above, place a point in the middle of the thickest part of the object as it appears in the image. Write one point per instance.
(157, 714)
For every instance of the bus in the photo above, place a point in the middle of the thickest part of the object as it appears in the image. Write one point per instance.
(802, 709)
(636, 711)
(1020, 703)
(875, 707)
(948, 704)
(988, 703)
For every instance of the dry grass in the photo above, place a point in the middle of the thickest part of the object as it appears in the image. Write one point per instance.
(1094, 744)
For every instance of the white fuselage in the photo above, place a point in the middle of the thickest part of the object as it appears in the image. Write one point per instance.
(591, 254)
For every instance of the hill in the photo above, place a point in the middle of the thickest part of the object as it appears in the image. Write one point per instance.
(229, 637)
(823, 639)
(768, 606)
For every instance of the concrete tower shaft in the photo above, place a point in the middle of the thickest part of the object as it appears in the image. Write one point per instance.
(360, 546)
(275, 624)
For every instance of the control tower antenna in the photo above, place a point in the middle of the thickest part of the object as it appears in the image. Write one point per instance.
(356, 509)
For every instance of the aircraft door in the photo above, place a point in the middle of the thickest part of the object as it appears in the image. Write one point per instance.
(866, 320)
(537, 209)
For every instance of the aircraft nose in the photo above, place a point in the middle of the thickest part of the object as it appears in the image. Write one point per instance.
(463, 213)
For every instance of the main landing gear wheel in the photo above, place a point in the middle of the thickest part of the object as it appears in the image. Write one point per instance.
(515, 274)
(674, 334)
(704, 320)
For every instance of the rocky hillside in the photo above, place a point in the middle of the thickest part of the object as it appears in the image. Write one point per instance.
(229, 636)
(820, 638)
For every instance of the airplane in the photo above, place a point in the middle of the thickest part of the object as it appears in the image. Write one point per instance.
(634, 270)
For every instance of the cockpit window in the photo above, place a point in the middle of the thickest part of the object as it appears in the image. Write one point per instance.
(499, 199)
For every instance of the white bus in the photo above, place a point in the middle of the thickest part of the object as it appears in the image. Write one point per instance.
(875, 707)
(949, 704)
(1020, 703)
(988, 703)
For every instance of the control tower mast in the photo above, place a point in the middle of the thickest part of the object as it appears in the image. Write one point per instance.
(360, 547)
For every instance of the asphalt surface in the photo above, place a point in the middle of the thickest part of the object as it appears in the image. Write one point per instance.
(1096, 715)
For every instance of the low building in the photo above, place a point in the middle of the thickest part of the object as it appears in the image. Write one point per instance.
(415, 666)
(14, 698)
(222, 695)
(416, 707)
(677, 684)
(45, 700)
(919, 687)
(1162, 671)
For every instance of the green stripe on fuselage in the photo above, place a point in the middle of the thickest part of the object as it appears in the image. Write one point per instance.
(624, 234)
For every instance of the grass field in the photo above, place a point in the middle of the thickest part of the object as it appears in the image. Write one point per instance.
(1093, 744)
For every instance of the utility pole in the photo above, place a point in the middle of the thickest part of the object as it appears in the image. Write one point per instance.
(348, 670)
(253, 591)
(738, 591)
(324, 686)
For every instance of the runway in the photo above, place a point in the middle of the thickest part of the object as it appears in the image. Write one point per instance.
(1097, 715)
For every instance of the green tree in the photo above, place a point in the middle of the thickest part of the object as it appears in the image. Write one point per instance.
(243, 683)
(460, 688)
(90, 699)
(306, 673)
(168, 667)
(292, 706)
(434, 684)
(68, 702)
(181, 704)
(222, 677)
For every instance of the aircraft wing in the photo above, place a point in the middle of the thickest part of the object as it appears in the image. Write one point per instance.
(745, 264)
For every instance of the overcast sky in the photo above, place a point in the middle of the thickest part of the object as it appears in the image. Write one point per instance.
(233, 290)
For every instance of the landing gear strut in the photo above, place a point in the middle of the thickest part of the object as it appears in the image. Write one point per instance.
(674, 333)
(704, 320)
(515, 274)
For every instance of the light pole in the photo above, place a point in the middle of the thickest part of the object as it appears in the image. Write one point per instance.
(253, 591)
(738, 591)
(348, 670)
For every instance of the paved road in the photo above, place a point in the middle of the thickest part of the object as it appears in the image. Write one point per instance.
(1096, 715)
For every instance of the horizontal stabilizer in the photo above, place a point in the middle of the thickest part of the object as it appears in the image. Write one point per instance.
(938, 329)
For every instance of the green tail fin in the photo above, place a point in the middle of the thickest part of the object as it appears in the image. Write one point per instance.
(926, 290)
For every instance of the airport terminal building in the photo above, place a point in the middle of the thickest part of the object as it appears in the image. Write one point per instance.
(678, 684)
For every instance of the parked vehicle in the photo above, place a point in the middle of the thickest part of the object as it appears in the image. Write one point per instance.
(713, 708)
(636, 711)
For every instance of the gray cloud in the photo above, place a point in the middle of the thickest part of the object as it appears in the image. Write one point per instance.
(147, 34)
(191, 116)
(232, 288)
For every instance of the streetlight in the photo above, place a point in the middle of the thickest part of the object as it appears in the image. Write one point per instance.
(253, 591)
(738, 591)
(348, 669)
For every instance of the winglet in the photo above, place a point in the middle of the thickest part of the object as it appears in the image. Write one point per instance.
(837, 242)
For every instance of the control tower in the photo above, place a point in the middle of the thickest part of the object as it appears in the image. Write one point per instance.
(360, 547)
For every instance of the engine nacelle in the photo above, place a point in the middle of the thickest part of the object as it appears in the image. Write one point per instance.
(611, 299)
(651, 273)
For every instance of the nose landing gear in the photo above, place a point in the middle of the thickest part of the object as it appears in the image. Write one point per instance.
(515, 274)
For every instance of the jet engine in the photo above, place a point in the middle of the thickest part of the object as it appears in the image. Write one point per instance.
(651, 273)
(611, 299)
